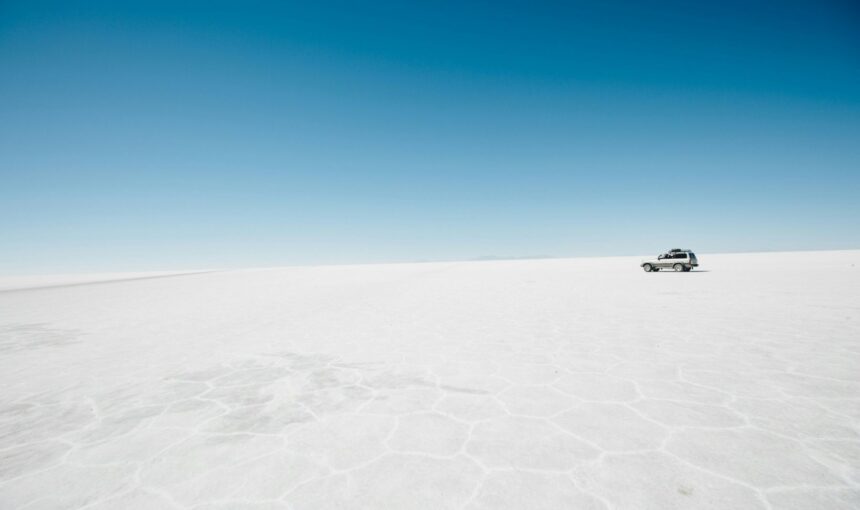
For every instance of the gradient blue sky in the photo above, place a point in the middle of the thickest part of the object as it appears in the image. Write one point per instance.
(170, 135)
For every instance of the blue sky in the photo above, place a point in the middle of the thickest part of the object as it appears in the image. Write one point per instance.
(172, 135)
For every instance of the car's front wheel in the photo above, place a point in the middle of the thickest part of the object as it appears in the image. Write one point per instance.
(647, 268)
(679, 267)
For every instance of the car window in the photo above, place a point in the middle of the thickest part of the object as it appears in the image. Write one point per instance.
(680, 255)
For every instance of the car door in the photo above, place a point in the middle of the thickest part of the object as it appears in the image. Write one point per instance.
(680, 257)
(664, 260)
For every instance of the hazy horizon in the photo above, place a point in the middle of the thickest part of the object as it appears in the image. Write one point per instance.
(125, 273)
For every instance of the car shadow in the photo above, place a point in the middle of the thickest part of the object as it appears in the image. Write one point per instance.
(694, 271)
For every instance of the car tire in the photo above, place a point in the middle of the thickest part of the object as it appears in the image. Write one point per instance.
(647, 268)
(678, 268)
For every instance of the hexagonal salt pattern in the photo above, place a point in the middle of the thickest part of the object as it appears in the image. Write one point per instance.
(521, 385)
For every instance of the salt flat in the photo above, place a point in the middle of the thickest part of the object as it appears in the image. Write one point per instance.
(532, 384)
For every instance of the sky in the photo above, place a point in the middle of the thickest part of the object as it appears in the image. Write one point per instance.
(195, 135)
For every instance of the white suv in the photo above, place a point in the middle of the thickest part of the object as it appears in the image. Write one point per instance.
(677, 259)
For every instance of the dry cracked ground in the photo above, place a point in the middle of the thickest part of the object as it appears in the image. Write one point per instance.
(578, 383)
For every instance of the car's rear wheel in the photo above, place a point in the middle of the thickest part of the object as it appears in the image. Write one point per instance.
(647, 268)
(679, 267)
